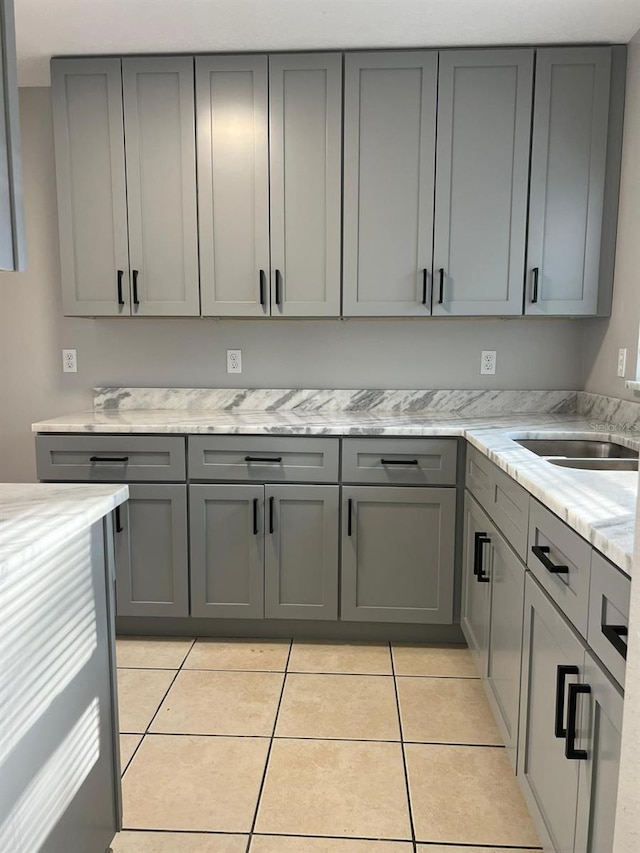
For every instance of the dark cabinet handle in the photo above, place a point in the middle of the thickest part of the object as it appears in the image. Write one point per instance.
(255, 515)
(441, 289)
(477, 553)
(615, 633)
(541, 552)
(119, 527)
(263, 288)
(278, 288)
(349, 512)
(481, 540)
(274, 459)
(424, 286)
(271, 502)
(108, 459)
(570, 750)
(134, 274)
(120, 297)
(535, 273)
(561, 675)
(398, 461)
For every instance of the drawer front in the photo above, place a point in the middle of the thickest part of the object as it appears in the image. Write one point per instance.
(478, 476)
(111, 458)
(560, 559)
(509, 508)
(609, 615)
(419, 462)
(263, 459)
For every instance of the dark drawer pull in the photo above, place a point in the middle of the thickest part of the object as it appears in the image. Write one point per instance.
(136, 301)
(535, 272)
(561, 675)
(271, 502)
(398, 461)
(424, 287)
(441, 289)
(255, 515)
(278, 288)
(263, 288)
(615, 633)
(349, 511)
(541, 552)
(481, 540)
(274, 459)
(570, 750)
(108, 459)
(119, 527)
(120, 299)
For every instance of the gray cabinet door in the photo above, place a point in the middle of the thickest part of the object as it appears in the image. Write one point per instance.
(91, 186)
(152, 559)
(505, 639)
(389, 165)
(233, 184)
(476, 594)
(305, 100)
(568, 161)
(301, 552)
(159, 117)
(484, 123)
(600, 735)
(397, 554)
(227, 551)
(548, 779)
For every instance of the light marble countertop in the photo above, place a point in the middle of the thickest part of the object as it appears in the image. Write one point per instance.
(38, 517)
(598, 505)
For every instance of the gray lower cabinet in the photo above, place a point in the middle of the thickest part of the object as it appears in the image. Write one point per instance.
(476, 594)
(301, 552)
(398, 554)
(484, 126)
(152, 556)
(552, 664)
(389, 165)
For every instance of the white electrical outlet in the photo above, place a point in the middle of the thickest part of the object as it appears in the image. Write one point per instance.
(488, 362)
(69, 361)
(622, 362)
(234, 361)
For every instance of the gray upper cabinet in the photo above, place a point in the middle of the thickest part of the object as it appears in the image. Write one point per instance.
(269, 184)
(484, 121)
(91, 184)
(233, 184)
(397, 554)
(301, 552)
(12, 251)
(568, 165)
(389, 165)
(159, 118)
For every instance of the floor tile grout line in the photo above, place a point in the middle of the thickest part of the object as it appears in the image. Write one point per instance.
(404, 757)
(271, 739)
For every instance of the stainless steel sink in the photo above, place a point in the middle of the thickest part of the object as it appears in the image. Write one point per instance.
(598, 464)
(580, 449)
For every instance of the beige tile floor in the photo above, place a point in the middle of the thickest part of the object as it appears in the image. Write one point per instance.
(236, 746)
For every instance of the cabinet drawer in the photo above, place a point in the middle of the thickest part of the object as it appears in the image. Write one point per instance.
(560, 560)
(420, 462)
(509, 508)
(110, 458)
(609, 615)
(260, 459)
(478, 475)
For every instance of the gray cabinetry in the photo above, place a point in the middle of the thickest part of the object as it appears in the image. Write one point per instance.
(484, 115)
(12, 250)
(389, 165)
(269, 184)
(301, 552)
(476, 595)
(397, 554)
(568, 169)
(152, 555)
(609, 595)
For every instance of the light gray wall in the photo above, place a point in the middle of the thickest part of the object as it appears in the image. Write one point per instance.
(191, 352)
(603, 338)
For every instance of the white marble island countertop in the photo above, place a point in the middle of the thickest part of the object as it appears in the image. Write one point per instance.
(37, 517)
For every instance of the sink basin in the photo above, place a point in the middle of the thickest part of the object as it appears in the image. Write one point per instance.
(578, 449)
(596, 464)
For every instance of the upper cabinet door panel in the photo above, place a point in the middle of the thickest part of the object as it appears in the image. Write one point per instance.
(159, 115)
(306, 138)
(389, 153)
(484, 122)
(568, 162)
(233, 184)
(90, 178)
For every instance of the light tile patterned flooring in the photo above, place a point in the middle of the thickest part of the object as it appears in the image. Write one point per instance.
(232, 746)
